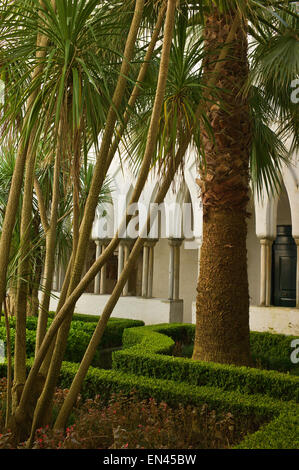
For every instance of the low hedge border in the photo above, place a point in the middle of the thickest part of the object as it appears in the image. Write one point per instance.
(269, 413)
(279, 418)
(79, 337)
(144, 354)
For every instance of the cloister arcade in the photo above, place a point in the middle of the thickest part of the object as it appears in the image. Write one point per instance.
(162, 287)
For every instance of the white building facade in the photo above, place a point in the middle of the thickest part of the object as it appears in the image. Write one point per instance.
(162, 287)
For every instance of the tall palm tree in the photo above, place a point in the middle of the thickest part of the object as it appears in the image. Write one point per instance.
(97, 85)
(248, 94)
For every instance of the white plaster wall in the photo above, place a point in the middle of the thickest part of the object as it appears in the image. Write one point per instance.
(161, 263)
(275, 320)
(279, 320)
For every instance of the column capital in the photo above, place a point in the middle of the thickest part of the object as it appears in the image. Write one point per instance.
(175, 241)
(151, 242)
(267, 241)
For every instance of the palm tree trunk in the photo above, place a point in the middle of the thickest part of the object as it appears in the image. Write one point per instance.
(222, 308)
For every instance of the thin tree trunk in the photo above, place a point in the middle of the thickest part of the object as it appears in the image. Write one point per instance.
(222, 309)
(21, 298)
(36, 270)
(9, 365)
(33, 305)
(23, 281)
(136, 90)
(76, 190)
(65, 305)
(99, 331)
(143, 174)
(17, 179)
(119, 133)
(50, 250)
(91, 204)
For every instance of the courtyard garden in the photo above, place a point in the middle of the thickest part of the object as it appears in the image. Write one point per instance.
(150, 397)
(143, 85)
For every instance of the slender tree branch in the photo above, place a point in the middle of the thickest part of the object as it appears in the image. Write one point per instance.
(41, 205)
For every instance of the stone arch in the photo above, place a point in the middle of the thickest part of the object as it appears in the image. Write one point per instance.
(265, 208)
(190, 176)
(291, 182)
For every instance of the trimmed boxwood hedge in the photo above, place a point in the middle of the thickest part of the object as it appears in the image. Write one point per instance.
(145, 353)
(266, 397)
(269, 351)
(79, 337)
(279, 420)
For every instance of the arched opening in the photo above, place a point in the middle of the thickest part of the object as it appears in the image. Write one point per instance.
(284, 256)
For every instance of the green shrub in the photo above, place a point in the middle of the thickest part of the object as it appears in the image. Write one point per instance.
(272, 351)
(145, 352)
(258, 409)
(266, 398)
(90, 318)
(79, 337)
(269, 351)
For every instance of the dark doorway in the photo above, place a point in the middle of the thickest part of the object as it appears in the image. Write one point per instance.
(284, 268)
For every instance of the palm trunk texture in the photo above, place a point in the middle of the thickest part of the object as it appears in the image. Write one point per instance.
(222, 307)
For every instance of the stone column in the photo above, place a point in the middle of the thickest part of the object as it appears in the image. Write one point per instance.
(97, 280)
(297, 274)
(145, 269)
(171, 272)
(127, 247)
(121, 259)
(56, 277)
(150, 273)
(266, 266)
(174, 268)
(105, 243)
(61, 276)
